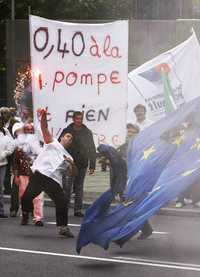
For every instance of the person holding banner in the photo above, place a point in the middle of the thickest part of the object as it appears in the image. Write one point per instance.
(47, 176)
(83, 152)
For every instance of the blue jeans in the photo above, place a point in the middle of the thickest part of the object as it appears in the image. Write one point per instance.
(2, 177)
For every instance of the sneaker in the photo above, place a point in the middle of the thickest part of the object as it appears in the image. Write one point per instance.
(143, 236)
(179, 205)
(65, 232)
(78, 214)
(3, 216)
(13, 214)
(39, 223)
(25, 217)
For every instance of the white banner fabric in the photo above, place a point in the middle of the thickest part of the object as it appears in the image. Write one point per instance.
(145, 84)
(81, 67)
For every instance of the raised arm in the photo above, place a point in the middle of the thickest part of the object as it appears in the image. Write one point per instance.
(44, 126)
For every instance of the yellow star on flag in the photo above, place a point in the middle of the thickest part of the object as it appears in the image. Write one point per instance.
(128, 202)
(179, 140)
(196, 145)
(148, 152)
(189, 172)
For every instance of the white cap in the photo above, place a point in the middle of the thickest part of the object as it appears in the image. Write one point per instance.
(17, 126)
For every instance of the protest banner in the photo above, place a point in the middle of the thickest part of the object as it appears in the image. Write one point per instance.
(81, 67)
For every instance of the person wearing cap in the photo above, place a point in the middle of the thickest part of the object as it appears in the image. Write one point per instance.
(24, 156)
(47, 171)
(6, 149)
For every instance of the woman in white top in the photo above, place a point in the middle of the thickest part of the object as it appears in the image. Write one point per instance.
(47, 176)
(6, 149)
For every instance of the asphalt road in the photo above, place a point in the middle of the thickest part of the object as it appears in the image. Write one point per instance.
(173, 250)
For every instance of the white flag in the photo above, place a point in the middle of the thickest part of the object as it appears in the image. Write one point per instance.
(145, 84)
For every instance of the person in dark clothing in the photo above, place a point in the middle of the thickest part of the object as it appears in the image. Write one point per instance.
(132, 131)
(118, 168)
(84, 153)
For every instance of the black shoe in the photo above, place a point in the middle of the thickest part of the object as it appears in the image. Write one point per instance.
(65, 232)
(143, 236)
(3, 216)
(25, 217)
(79, 214)
(39, 223)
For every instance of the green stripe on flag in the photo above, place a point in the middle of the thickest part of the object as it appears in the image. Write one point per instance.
(170, 104)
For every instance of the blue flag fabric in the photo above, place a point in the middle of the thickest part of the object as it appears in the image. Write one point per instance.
(158, 170)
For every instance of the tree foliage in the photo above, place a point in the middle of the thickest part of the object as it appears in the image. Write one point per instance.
(68, 9)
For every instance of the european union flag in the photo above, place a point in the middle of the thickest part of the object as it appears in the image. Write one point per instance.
(159, 168)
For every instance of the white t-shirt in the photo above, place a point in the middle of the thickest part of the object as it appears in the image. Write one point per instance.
(50, 162)
(144, 124)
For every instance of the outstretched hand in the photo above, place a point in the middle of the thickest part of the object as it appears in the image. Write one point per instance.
(42, 112)
(42, 117)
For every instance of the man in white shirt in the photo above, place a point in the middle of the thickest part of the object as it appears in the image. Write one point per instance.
(141, 121)
(47, 170)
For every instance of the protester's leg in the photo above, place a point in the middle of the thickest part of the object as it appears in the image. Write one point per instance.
(146, 230)
(57, 194)
(23, 183)
(67, 183)
(78, 185)
(38, 210)
(7, 180)
(36, 204)
(33, 189)
(2, 176)
(103, 166)
(14, 207)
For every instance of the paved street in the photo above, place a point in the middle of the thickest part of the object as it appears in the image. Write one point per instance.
(95, 185)
(173, 250)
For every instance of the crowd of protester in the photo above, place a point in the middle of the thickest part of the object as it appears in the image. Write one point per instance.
(30, 166)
